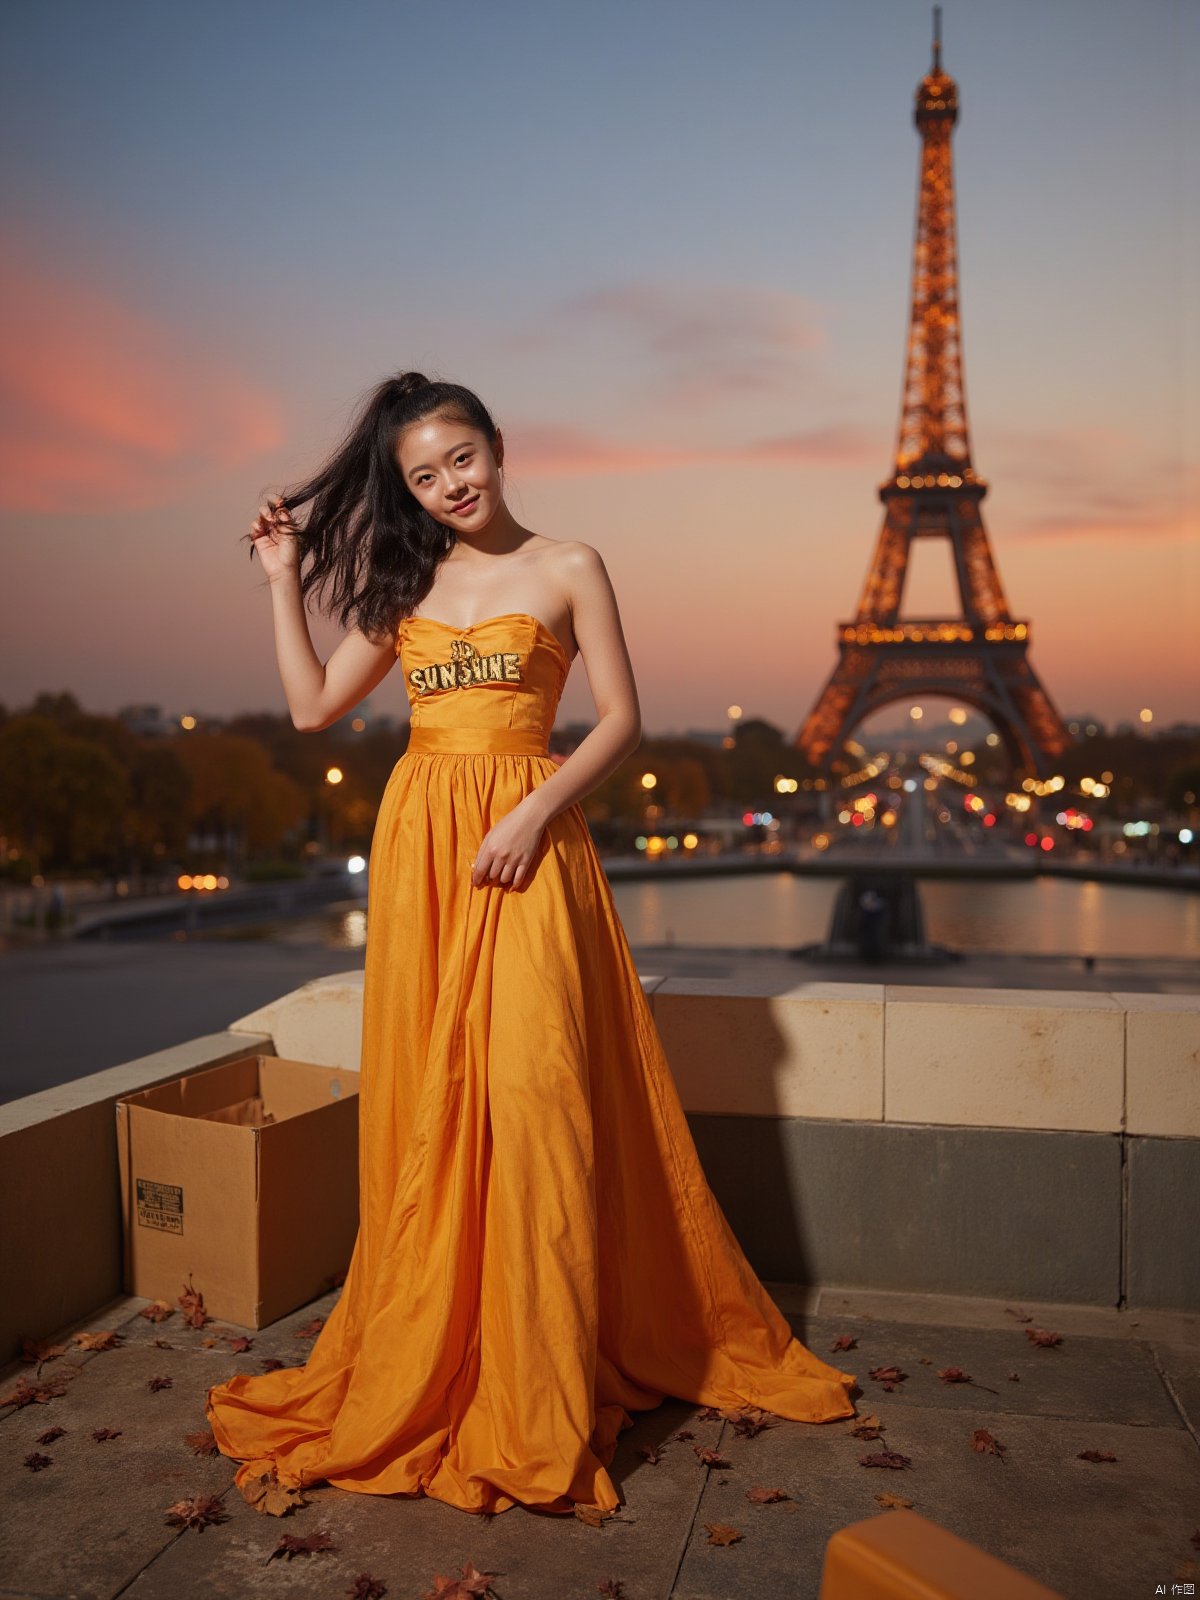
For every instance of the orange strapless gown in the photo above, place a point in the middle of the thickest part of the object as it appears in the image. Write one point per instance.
(539, 1252)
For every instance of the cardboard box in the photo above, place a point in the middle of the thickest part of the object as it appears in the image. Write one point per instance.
(244, 1179)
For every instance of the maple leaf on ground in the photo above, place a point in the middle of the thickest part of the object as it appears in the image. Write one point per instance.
(472, 1582)
(1096, 1455)
(191, 1304)
(710, 1414)
(102, 1434)
(887, 1375)
(199, 1512)
(983, 1441)
(957, 1375)
(103, 1339)
(365, 1587)
(593, 1516)
(163, 1344)
(1043, 1338)
(203, 1443)
(722, 1533)
(844, 1341)
(310, 1330)
(36, 1462)
(611, 1589)
(886, 1458)
(239, 1343)
(155, 1384)
(711, 1458)
(313, 1544)
(35, 1351)
(30, 1394)
(157, 1311)
(272, 1364)
(867, 1428)
(267, 1495)
(50, 1435)
(747, 1426)
(1014, 1377)
(684, 1433)
(894, 1502)
(651, 1453)
(766, 1496)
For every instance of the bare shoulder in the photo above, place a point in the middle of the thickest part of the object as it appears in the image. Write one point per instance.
(579, 567)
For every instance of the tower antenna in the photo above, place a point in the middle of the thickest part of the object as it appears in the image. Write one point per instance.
(937, 38)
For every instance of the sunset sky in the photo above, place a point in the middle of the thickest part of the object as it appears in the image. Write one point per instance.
(656, 238)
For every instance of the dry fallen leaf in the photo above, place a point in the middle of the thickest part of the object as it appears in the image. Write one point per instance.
(102, 1434)
(889, 1377)
(239, 1343)
(747, 1426)
(104, 1339)
(310, 1330)
(29, 1394)
(203, 1443)
(50, 1435)
(983, 1441)
(722, 1533)
(1043, 1337)
(267, 1495)
(35, 1351)
(1021, 1316)
(312, 1544)
(711, 1458)
(593, 1516)
(844, 1341)
(200, 1512)
(886, 1458)
(36, 1462)
(365, 1587)
(155, 1384)
(651, 1453)
(1096, 1455)
(767, 1496)
(684, 1433)
(867, 1428)
(191, 1303)
(157, 1311)
(272, 1364)
(471, 1583)
(611, 1589)
(894, 1502)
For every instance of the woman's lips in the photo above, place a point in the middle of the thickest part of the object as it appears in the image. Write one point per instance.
(467, 505)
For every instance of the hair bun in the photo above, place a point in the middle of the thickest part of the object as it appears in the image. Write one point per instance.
(410, 382)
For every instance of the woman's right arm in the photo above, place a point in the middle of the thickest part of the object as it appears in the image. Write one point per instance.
(317, 693)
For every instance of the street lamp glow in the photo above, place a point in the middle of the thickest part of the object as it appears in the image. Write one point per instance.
(915, 713)
(1146, 714)
(334, 775)
(648, 780)
(734, 713)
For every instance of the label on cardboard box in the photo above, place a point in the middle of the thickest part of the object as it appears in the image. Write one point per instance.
(160, 1205)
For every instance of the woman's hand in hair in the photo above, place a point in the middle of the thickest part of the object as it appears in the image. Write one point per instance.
(274, 536)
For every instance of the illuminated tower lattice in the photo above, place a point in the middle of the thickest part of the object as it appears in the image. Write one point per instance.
(980, 655)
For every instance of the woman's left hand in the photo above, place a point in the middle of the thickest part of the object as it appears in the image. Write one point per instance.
(507, 851)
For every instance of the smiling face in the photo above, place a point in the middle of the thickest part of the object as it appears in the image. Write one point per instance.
(448, 464)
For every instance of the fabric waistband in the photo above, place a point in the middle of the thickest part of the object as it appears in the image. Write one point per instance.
(477, 741)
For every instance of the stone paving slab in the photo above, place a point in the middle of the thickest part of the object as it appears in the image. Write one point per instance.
(1114, 1380)
(91, 1526)
(1092, 1531)
(407, 1540)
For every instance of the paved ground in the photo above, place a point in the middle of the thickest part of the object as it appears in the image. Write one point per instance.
(92, 1522)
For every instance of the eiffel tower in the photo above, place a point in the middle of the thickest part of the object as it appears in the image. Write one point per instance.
(980, 656)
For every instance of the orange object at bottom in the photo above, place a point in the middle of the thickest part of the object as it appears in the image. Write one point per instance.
(899, 1555)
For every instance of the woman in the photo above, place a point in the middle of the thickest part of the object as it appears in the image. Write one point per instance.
(539, 1253)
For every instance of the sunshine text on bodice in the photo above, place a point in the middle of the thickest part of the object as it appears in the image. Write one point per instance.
(467, 668)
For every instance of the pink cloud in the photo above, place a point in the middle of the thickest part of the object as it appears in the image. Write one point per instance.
(548, 450)
(105, 409)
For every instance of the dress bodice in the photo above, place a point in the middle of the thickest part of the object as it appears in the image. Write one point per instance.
(506, 672)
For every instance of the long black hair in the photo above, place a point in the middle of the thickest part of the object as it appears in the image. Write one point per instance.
(367, 538)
